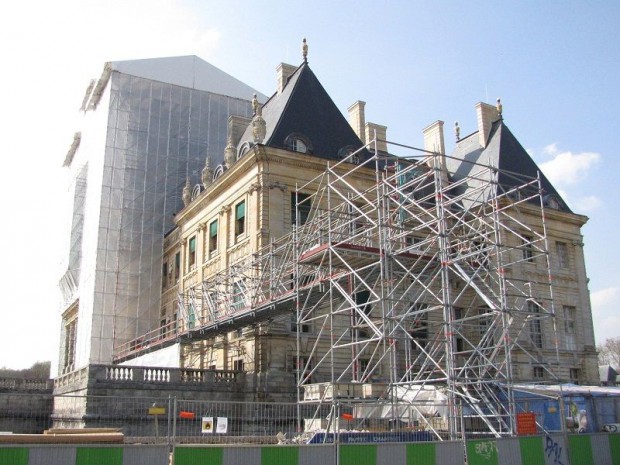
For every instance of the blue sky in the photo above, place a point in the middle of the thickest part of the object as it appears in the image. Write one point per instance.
(554, 64)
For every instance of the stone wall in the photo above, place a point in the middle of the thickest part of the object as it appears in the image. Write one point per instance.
(25, 405)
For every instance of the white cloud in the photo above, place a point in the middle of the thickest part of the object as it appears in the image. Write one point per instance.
(551, 149)
(605, 313)
(567, 168)
(587, 204)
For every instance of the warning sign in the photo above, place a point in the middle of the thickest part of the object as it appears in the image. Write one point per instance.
(526, 423)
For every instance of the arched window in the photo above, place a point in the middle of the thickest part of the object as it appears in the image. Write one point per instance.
(298, 143)
(245, 147)
(347, 153)
(218, 172)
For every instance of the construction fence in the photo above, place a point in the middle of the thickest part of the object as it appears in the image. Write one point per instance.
(174, 420)
(556, 449)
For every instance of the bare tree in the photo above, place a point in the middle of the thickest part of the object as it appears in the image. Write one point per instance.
(609, 352)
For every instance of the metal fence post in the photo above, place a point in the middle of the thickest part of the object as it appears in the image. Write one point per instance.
(174, 420)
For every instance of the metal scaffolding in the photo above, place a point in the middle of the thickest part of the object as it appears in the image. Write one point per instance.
(413, 282)
(422, 287)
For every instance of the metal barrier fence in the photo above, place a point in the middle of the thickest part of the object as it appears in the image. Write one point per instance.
(173, 420)
(563, 449)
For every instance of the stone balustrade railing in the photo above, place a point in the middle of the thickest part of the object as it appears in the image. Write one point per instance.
(14, 384)
(147, 375)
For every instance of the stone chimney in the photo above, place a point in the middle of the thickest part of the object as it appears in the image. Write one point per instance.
(487, 115)
(380, 131)
(357, 119)
(236, 128)
(433, 143)
(433, 138)
(284, 72)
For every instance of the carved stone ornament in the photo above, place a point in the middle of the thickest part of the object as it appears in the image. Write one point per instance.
(229, 155)
(259, 129)
(207, 173)
(187, 193)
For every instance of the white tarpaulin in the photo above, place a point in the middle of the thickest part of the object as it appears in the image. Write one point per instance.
(411, 403)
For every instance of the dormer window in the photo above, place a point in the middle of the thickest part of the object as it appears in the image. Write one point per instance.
(298, 143)
(245, 148)
(348, 154)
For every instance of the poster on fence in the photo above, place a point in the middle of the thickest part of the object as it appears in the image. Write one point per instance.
(207, 424)
(222, 425)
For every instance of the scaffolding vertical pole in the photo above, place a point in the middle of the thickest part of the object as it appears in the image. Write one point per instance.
(498, 245)
(296, 281)
(444, 253)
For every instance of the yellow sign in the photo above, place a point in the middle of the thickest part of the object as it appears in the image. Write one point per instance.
(157, 410)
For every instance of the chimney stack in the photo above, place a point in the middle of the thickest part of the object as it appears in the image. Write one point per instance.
(236, 128)
(433, 138)
(487, 115)
(380, 131)
(434, 144)
(357, 119)
(284, 72)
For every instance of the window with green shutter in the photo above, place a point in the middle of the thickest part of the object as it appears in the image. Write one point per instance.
(192, 252)
(240, 218)
(213, 236)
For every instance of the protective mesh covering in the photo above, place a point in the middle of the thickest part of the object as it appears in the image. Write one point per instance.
(157, 135)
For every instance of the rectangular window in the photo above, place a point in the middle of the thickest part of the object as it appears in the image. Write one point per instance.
(191, 258)
(536, 335)
(419, 326)
(238, 297)
(305, 328)
(213, 237)
(458, 329)
(238, 364)
(528, 250)
(538, 372)
(240, 218)
(361, 301)
(70, 338)
(570, 314)
(300, 203)
(177, 266)
(561, 250)
(575, 375)
(164, 276)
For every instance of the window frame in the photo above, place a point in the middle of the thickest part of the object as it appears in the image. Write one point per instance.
(191, 254)
(213, 238)
(535, 326)
(561, 250)
(240, 220)
(527, 248)
(298, 199)
(570, 333)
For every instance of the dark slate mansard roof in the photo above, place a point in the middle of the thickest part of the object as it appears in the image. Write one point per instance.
(503, 151)
(305, 108)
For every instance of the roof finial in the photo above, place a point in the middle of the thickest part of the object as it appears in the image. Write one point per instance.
(499, 108)
(187, 193)
(304, 50)
(207, 173)
(457, 131)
